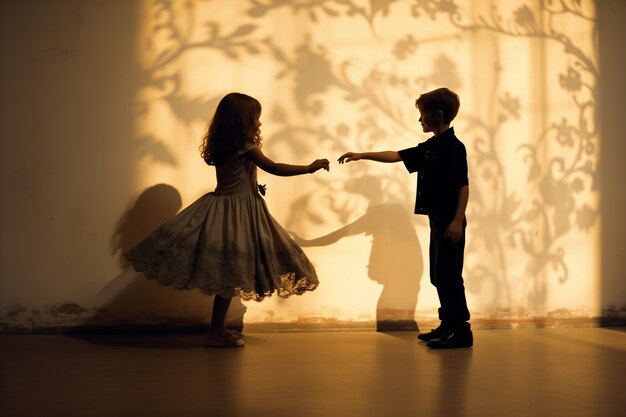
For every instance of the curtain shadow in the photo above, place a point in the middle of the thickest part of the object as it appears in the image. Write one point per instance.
(395, 259)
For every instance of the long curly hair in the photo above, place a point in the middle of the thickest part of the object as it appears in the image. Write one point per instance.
(234, 124)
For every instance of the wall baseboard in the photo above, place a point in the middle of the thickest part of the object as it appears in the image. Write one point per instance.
(191, 327)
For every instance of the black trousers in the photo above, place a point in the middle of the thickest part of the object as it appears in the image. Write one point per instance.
(446, 274)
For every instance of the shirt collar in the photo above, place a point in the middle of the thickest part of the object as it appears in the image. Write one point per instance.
(449, 132)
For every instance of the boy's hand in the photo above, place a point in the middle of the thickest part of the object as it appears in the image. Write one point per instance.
(454, 232)
(319, 164)
(349, 156)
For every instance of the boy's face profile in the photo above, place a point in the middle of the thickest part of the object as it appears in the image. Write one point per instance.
(428, 119)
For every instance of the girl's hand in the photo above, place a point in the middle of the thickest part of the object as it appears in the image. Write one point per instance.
(349, 156)
(319, 164)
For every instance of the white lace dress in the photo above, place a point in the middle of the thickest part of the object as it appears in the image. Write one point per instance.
(227, 243)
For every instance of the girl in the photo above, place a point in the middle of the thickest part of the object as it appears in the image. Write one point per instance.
(226, 243)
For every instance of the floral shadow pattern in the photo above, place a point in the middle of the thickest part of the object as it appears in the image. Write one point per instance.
(346, 74)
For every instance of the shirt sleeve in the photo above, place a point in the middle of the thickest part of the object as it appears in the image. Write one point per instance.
(461, 177)
(412, 158)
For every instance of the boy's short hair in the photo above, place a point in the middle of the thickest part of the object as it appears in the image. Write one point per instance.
(440, 99)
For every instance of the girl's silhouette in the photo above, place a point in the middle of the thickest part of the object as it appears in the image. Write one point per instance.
(226, 243)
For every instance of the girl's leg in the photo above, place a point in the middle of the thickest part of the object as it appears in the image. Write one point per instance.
(220, 308)
(218, 335)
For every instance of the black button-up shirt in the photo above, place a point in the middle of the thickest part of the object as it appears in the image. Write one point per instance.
(441, 164)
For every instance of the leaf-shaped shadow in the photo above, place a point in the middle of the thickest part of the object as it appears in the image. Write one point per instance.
(191, 110)
(148, 146)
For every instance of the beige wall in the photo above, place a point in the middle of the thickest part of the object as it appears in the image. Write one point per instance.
(103, 105)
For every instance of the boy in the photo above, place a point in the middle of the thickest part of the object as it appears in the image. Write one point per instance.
(442, 195)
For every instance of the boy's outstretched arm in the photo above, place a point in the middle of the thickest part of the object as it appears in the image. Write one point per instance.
(384, 156)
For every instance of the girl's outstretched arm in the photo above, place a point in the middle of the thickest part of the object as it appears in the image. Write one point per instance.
(384, 156)
(285, 170)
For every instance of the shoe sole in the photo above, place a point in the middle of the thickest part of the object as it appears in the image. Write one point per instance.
(441, 347)
(217, 345)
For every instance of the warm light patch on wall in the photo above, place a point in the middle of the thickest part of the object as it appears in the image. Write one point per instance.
(338, 76)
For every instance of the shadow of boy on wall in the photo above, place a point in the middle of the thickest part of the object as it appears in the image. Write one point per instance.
(395, 259)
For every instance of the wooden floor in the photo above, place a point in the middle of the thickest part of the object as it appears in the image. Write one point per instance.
(523, 372)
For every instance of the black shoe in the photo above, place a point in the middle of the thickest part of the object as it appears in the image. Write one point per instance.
(453, 340)
(432, 335)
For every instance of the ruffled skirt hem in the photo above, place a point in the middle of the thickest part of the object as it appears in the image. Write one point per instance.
(290, 286)
(227, 245)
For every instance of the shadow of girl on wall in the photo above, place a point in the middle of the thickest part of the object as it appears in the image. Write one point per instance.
(130, 299)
